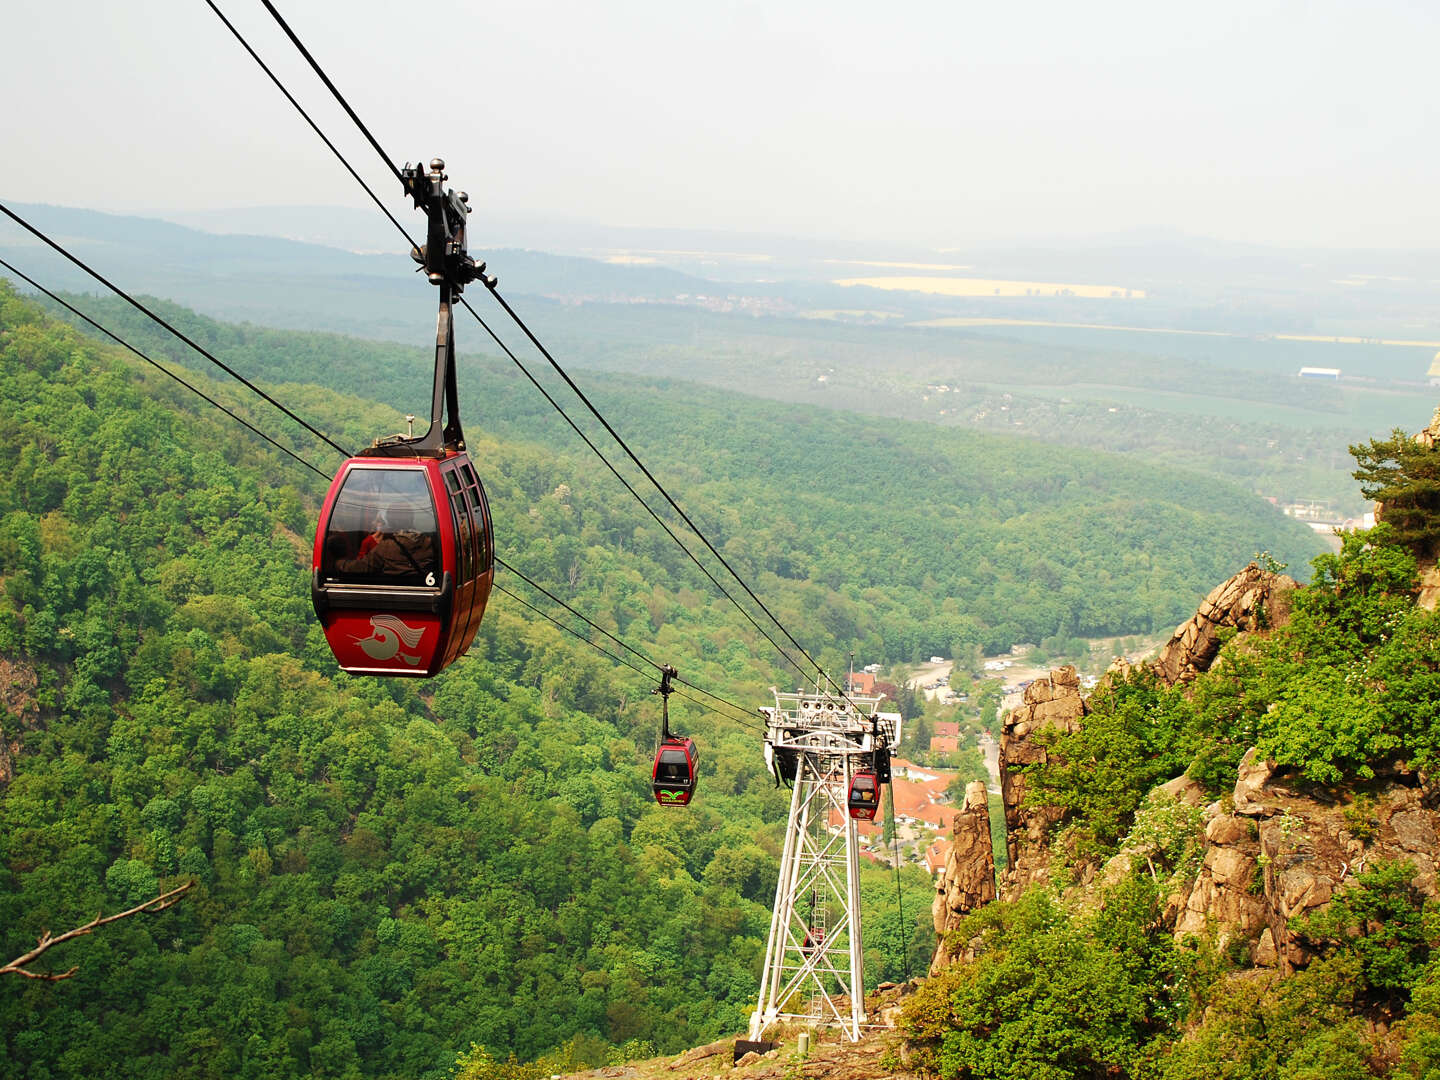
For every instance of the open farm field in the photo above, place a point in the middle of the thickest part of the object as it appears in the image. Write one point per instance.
(957, 286)
(1362, 408)
(1280, 354)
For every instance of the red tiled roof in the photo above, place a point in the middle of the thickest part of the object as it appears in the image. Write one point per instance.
(947, 727)
(862, 682)
(936, 854)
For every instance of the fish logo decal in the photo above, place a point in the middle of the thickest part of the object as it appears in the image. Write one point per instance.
(387, 634)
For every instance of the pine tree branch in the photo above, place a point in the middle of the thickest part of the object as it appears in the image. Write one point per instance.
(47, 941)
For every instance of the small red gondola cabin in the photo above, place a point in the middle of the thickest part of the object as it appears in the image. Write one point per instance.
(673, 778)
(403, 563)
(864, 797)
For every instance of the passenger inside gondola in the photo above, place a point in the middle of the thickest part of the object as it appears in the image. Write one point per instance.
(383, 531)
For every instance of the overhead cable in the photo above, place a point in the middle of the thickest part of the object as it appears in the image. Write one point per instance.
(742, 718)
(494, 291)
(162, 368)
(636, 652)
(619, 659)
(179, 334)
(332, 88)
(670, 532)
(485, 325)
(899, 894)
(313, 126)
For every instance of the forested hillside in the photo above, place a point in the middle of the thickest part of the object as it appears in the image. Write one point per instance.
(1207, 388)
(923, 540)
(387, 872)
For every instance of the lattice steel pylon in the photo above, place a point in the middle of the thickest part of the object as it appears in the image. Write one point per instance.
(813, 959)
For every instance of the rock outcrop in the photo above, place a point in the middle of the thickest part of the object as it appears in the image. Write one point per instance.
(1254, 599)
(19, 709)
(1270, 853)
(968, 880)
(1279, 854)
(1053, 704)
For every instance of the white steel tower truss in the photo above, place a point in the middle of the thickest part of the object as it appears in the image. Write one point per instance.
(813, 959)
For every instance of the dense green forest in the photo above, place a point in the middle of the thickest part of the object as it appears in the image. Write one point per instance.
(388, 872)
(1224, 401)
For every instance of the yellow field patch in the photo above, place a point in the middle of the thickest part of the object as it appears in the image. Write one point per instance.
(984, 321)
(948, 286)
(898, 265)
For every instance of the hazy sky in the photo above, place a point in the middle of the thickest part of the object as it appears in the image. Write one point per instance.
(941, 124)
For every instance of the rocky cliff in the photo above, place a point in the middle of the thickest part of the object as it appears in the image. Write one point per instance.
(968, 881)
(18, 710)
(1272, 854)
(1050, 705)
(1269, 854)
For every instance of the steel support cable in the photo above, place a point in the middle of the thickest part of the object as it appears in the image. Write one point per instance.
(339, 97)
(324, 476)
(617, 659)
(389, 163)
(628, 648)
(631, 489)
(313, 126)
(495, 292)
(486, 326)
(178, 333)
(162, 368)
(899, 895)
(314, 66)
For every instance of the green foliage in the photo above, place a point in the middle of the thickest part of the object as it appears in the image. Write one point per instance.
(1261, 1027)
(1051, 996)
(1134, 737)
(969, 765)
(385, 870)
(1167, 837)
(1001, 540)
(1405, 476)
(381, 876)
(1385, 922)
(1350, 683)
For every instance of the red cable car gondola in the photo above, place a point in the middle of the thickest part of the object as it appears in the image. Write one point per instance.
(864, 797)
(673, 777)
(404, 555)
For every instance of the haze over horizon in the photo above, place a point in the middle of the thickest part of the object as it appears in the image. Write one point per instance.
(1280, 124)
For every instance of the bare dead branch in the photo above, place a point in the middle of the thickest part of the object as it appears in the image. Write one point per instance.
(47, 941)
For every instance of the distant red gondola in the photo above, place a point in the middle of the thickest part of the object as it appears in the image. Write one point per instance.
(864, 797)
(673, 777)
